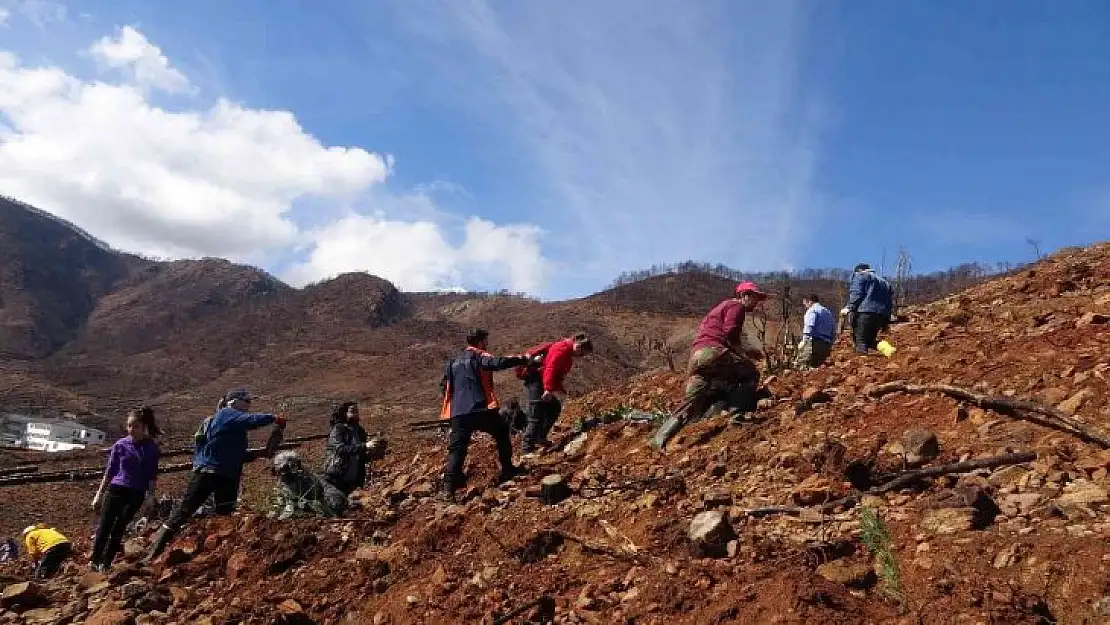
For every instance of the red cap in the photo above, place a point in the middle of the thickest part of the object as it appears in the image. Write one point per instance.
(750, 287)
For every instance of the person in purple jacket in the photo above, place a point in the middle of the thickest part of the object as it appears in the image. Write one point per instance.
(129, 479)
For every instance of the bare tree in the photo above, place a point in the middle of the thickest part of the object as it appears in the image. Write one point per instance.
(1036, 245)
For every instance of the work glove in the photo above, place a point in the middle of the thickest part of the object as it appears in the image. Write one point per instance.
(279, 421)
(845, 311)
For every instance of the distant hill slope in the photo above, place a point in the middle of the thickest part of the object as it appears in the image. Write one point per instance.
(89, 329)
(51, 277)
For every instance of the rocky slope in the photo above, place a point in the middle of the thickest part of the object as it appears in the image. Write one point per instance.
(1021, 543)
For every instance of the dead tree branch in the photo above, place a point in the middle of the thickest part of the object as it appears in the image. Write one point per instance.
(598, 547)
(903, 478)
(1017, 408)
(898, 480)
(545, 603)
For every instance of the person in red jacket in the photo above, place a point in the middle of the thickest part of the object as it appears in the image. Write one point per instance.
(543, 385)
(715, 360)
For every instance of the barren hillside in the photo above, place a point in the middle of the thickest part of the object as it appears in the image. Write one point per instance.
(807, 488)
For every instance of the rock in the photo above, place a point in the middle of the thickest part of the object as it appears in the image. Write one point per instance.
(709, 534)
(42, 616)
(131, 591)
(102, 587)
(717, 469)
(1055, 395)
(90, 579)
(439, 578)
(1091, 318)
(813, 396)
(920, 446)
(814, 490)
(1102, 606)
(25, 593)
(851, 574)
(381, 618)
(1019, 505)
(1085, 494)
(553, 489)
(423, 489)
(1091, 464)
(577, 446)
(950, 520)
(718, 497)
(1008, 556)
(1072, 404)
(237, 565)
(290, 607)
(1007, 476)
(111, 614)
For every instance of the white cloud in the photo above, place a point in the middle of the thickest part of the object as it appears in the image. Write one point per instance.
(417, 256)
(223, 180)
(148, 67)
(670, 129)
(38, 12)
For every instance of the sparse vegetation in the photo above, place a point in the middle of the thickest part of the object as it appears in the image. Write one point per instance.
(875, 536)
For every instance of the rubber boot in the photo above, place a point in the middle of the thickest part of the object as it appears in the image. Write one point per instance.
(161, 539)
(669, 428)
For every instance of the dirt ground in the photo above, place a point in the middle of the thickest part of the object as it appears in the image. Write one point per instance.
(1024, 543)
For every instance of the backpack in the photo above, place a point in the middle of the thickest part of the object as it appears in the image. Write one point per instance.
(523, 371)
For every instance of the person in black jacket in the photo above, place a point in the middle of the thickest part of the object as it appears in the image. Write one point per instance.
(471, 403)
(348, 450)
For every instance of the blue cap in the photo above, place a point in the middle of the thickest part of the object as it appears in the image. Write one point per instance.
(237, 394)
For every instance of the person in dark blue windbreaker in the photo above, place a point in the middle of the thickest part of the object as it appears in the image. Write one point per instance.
(870, 303)
(217, 463)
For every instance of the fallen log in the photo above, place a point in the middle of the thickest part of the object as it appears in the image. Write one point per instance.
(19, 470)
(81, 474)
(898, 480)
(1022, 409)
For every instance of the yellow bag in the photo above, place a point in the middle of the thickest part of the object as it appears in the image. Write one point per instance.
(886, 349)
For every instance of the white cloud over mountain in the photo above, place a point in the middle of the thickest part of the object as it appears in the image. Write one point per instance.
(134, 157)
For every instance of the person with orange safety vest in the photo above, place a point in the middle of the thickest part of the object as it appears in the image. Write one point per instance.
(470, 402)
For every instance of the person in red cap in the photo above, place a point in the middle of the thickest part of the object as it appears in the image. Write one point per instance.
(715, 360)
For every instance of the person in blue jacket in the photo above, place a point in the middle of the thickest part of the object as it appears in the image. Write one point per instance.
(217, 463)
(870, 303)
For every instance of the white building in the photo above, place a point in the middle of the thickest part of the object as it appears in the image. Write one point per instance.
(50, 434)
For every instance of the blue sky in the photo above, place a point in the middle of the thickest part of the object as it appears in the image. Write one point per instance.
(581, 139)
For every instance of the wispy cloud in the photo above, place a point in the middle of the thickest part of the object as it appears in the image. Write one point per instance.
(952, 227)
(659, 130)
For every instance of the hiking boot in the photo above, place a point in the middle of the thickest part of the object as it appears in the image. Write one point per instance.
(510, 474)
(161, 540)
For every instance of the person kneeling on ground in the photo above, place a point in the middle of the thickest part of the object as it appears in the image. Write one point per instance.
(348, 451)
(818, 332)
(217, 465)
(130, 481)
(543, 384)
(48, 548)
(470, 401)
(302, 493)
(715, 364)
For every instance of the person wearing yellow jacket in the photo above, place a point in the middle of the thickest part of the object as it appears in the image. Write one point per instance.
(48, 548)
